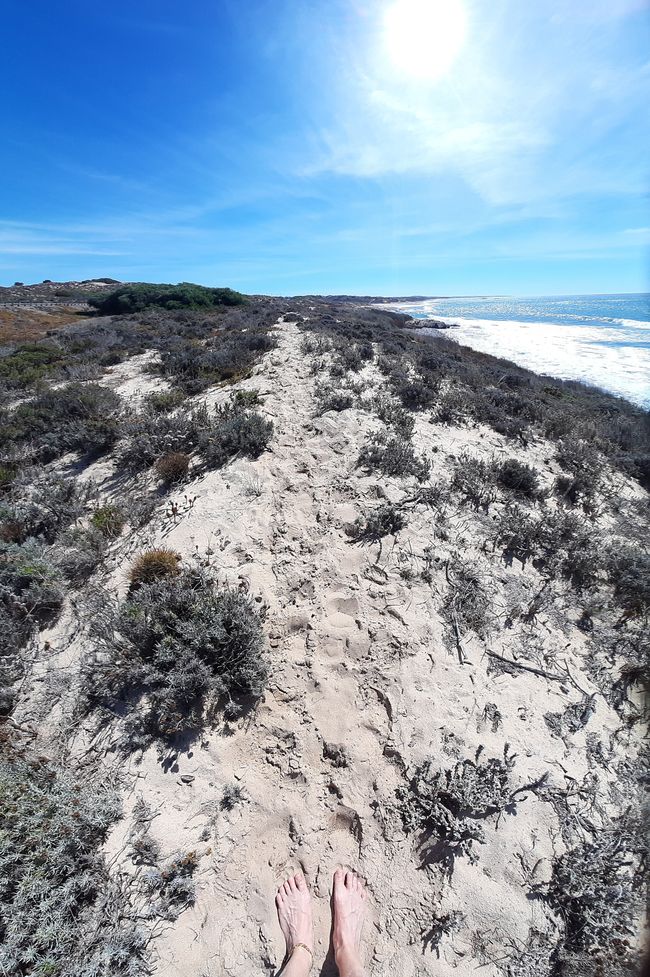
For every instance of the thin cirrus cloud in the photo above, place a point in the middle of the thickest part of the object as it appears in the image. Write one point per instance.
(516, 121)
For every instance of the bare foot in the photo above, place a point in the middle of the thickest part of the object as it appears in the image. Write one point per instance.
(349, 901)
(294, 914)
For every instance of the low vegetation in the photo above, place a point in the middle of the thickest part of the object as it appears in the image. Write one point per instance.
(446, 807)
(77, 417)
(31, 594)
(153, 565)
(597, 890)
(174, 649)
(62, 912)
(172, 467)
(109, 520)
(393, 455)
(386, 520)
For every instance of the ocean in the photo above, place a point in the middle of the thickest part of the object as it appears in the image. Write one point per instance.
(603, 340)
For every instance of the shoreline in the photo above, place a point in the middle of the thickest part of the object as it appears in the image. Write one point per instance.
(572, 353)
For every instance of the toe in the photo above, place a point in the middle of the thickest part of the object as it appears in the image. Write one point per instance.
(300, 882)
(339, 878)
(286, 888)
(291, 883)
(349, 880)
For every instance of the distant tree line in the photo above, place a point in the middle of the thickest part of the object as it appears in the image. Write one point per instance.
(136, 298)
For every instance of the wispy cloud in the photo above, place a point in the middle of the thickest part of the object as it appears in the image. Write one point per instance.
(517, 122)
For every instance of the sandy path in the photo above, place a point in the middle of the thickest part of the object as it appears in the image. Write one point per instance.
(362, 689)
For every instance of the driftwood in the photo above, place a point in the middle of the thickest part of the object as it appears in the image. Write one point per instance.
(553, 676)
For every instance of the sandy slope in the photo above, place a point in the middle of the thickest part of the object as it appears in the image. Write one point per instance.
(364, 686)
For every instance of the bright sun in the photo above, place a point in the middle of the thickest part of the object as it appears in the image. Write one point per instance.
(424, 37)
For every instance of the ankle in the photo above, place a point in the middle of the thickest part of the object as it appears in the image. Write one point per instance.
(346, 955)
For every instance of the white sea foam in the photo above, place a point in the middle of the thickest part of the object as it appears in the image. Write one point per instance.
(615, 359)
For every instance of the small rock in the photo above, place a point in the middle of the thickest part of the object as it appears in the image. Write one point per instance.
(187, 778)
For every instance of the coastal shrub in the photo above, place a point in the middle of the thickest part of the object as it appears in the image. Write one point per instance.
(164, 401)
(393, 415)
(30, 583)
(7, 476)
(233, 794)
(393, 455)
(385, 521)
(579, 456)
(147, 437)
(62, 911)
(172, 467)
(453, 407)
(446, 806)
(329, 399)
(77, 417)
(109, 520)
(520, 535)
(573, 549)
(246, 398)
(41, 504)
(629, 572)
(79, 552)
(609, 864)
(171, 888)
(140, 296)
(228, 356)
(416, 393)
(28, 364)
(517, 477)
(173, 646)
(153, 565)
(235, 431)
(475, 481)
(560, 544)
(31, 594)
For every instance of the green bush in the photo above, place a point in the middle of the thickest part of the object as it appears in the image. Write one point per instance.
(224, 358)
(173, 646)
(597, 889)
(629, 572)
(147, 437)
(28, 364)
(164, 401)
(109, 520)
(41, 505)
(137, 297)
(79, 552)
(475, 481)
(31, 594)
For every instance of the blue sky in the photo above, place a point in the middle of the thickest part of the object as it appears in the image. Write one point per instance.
(288, 146)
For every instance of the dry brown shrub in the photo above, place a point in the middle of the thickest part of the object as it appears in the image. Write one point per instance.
(172, 467)
(154, 565)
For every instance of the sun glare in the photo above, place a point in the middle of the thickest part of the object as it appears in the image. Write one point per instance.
(424, 37)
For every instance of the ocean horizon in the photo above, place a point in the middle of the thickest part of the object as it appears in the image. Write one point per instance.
(600, 339)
